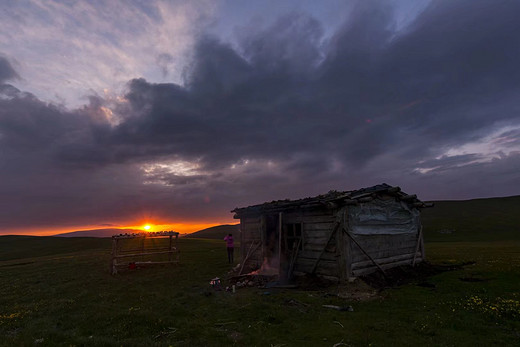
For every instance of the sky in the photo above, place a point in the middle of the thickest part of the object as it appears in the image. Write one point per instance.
(116, 114)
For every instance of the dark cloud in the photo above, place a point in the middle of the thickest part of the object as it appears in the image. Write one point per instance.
(6, 70)
(285, 113)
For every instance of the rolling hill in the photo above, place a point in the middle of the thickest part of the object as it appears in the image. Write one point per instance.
(98, 232)
(487, 219)
(217, 232)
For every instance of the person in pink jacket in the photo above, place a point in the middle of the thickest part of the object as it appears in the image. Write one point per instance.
(230, 247)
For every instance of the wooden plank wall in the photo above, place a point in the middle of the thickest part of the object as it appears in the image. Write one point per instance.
(251, 229)
(387, 250)
(317, 225)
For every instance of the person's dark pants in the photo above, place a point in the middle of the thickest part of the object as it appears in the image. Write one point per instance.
(230, 251)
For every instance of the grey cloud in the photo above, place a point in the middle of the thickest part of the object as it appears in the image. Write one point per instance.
(498, 177)
(509, 138)
(444, 163)
(163, 60)
(284, 114)
(6, 71)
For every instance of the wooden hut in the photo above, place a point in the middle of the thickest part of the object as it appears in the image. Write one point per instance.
(339, 235)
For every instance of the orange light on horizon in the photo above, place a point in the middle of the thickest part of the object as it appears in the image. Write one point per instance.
(185, 227)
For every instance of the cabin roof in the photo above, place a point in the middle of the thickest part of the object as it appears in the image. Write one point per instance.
(333, 199)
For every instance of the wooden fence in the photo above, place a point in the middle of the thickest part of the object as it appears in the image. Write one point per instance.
(142, 249)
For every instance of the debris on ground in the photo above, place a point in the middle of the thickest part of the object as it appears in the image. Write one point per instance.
(339, 308)
(166, 332)
(250, 280)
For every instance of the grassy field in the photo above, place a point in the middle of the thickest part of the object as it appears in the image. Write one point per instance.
(494, 219)
(59, 292)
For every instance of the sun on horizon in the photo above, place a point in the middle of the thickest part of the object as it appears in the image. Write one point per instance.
(147, 227)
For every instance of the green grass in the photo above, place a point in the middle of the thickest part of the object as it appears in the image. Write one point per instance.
(494, 219)
(59, 292)
(21, 247)
(70, 298)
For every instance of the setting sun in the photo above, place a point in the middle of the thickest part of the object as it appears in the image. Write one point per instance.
(147, 227)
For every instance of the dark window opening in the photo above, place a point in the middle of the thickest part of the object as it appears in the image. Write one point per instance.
(293, 236)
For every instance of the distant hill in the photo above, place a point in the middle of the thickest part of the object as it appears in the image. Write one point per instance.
(473, 220)
(98, 232)
(217, 232)
(449, 220)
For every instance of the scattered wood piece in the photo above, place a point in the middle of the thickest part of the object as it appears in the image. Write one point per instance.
(339, 308)
(339, 344)
(224, 323)
(168, 331)
(339, 323)
(286, 286)
(249, 252)
(297, 303)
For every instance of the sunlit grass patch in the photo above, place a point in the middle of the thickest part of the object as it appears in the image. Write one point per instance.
(497, 307)
(6, 317)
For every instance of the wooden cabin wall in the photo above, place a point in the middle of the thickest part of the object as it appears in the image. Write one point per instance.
(388, 250)
(340, 257)
(317, 226)
(251, 232)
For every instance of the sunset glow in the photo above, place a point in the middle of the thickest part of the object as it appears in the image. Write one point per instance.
(147, 227)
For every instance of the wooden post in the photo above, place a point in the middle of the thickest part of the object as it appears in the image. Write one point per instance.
(302, 237)
(242, 243)
(423, 254)
(177, 247)
(279, 243)
(170, 248)
(418, 246)
(348, 246)
(340, 249)
(113, 261)
(262, 234)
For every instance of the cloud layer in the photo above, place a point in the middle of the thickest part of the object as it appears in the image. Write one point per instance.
(284, 112)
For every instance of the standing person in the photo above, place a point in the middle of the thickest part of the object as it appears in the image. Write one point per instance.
(230, 247)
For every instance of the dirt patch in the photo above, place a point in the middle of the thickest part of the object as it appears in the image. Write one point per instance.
(364, 288)
(400, 275)
(357, 291)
